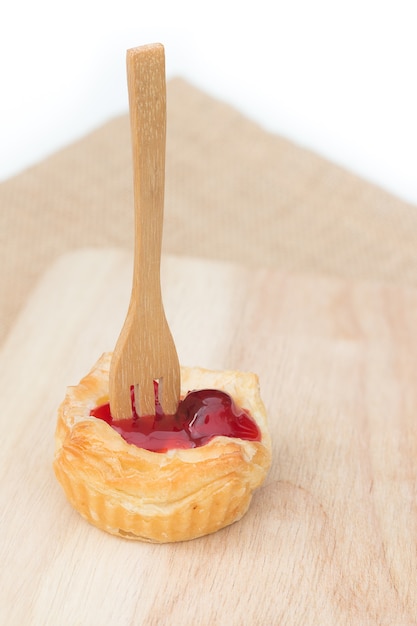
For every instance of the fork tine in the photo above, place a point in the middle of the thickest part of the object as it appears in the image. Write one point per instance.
(119, 393)
(145, 397)
(123, 406)
(169, 391)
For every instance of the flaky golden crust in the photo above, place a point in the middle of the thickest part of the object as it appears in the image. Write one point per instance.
(153, 496)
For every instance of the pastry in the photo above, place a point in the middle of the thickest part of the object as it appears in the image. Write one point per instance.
(186, 489)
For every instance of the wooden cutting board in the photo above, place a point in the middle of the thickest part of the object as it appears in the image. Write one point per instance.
(331, 537)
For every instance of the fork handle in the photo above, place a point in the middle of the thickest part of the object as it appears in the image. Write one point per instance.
(147, 105)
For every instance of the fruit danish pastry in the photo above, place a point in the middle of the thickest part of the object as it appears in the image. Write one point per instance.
(164, 478)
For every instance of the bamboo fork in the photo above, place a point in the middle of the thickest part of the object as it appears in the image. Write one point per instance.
(145, 350)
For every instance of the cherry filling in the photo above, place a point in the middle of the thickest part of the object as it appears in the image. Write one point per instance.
(200, 416)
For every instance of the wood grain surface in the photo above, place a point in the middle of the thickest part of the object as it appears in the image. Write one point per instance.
(331, 537)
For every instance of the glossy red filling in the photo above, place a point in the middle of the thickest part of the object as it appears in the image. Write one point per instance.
(200, 416)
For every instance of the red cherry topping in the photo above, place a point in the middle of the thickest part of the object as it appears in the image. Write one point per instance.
(200, 416)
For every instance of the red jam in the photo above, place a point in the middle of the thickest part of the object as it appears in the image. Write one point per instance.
(200, 416)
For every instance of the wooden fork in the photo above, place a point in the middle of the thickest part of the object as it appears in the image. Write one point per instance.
(145, 350)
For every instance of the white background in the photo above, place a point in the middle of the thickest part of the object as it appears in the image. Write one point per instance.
(336, 76)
